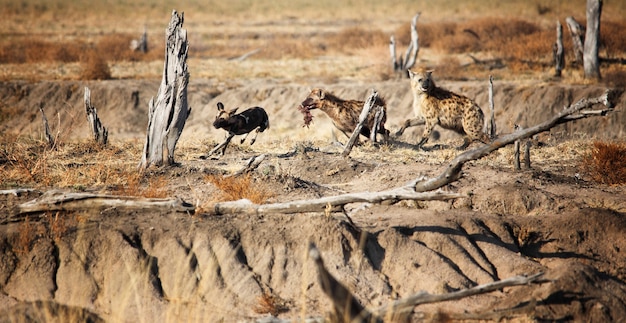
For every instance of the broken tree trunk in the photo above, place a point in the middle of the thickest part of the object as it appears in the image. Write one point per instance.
(99, 132)
(559, 57)
(168, 114)
(576, 31)
(367, 107)
(410, 57)
(591, 62)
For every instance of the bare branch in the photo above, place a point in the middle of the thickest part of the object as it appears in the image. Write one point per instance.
(251, 165)
(408, 303)
(367, 106)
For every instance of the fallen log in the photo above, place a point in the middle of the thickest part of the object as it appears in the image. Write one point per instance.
(56, 200)
(329, 203)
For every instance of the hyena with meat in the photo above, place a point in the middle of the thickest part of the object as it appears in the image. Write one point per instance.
(441, 107)
(343, 113)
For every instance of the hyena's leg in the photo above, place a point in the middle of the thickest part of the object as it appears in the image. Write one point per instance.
(409, 123)
(427, 131)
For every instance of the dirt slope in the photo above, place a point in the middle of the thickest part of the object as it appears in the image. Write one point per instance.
(119, 265)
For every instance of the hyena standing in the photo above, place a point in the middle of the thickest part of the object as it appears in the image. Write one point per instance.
(444, 108)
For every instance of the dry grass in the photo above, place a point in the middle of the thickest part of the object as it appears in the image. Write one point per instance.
(606, 163)
(25, 162)
(268, 303)
(240, 187)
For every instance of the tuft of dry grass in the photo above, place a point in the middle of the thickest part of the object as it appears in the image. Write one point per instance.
(268, 303)
(94, 66)
(606, 163)
(239, 187)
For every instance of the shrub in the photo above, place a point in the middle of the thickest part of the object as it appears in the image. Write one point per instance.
(236, 188)
(94, 67)
(606, 163)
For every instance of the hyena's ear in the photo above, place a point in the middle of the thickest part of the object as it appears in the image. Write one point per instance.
(411, 73)
(322, 94)
(220, 106)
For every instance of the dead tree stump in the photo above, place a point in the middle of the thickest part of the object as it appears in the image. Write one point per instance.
(99, 132)
(141, 44)
(559, 57)
(401, 65)
(46, 128)
(168, 114)
(591, 62)
(576, 31)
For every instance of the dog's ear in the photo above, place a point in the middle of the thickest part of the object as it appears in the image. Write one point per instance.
(232, 112)
(220, 106)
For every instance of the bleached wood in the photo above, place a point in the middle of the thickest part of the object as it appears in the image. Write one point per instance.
(367, 107)
(576, 32)
(16, 191)
(56, 200)
(335, 203)
(168, 113)
(591, 62)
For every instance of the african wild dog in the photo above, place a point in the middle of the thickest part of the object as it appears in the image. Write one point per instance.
(240, 123)
(441, 107)
(344, 113)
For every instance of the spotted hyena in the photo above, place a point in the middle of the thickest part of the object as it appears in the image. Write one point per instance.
(344, 113)
(441, 107)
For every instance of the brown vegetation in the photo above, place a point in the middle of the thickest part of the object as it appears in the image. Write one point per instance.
(606, 163)
(240, 187)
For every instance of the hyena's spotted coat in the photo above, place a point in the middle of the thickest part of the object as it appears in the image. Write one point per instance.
(444, 108)
(344, 113)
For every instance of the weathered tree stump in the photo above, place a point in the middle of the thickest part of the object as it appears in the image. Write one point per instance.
(401, 65)
(168, 114)
(576, 31)
(559, 57)
(99, 132)
(46, 128)
(591, 62)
